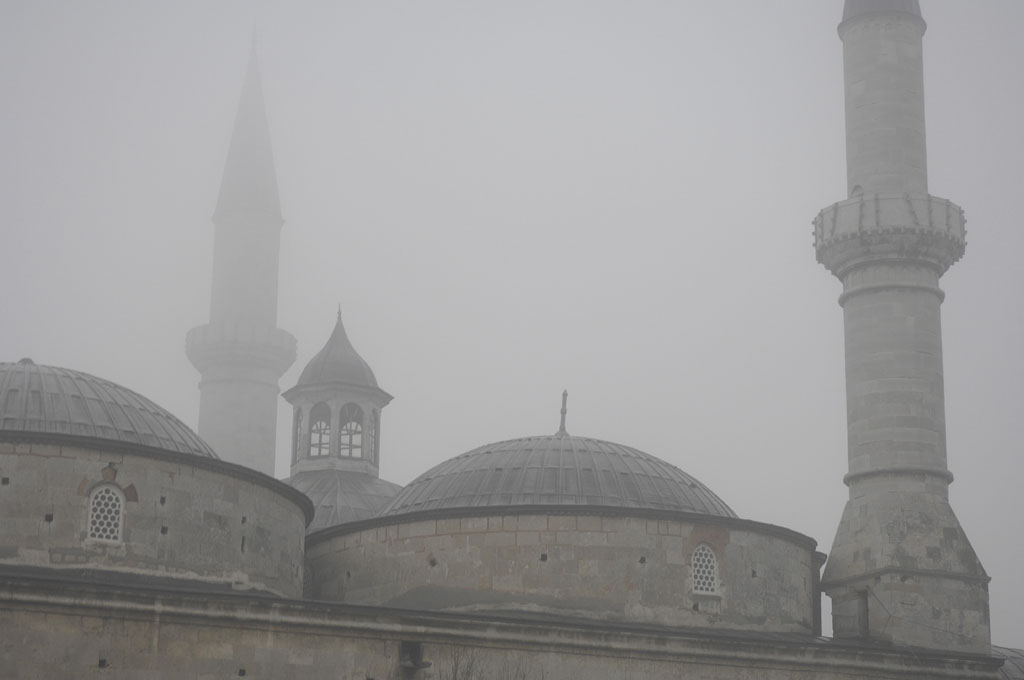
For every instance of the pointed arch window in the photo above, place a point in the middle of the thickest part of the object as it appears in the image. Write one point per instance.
(704, 571)
(351, 436)
(106, 513)
(320, 431)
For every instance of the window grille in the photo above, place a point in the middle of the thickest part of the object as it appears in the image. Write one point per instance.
(320, 439)
(351, 443)
(105, 510)
(704, 570)
(320, 431)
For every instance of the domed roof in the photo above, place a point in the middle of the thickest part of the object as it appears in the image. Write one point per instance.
(46, 402)
(557, 470)
(341, 496)
(338, 361)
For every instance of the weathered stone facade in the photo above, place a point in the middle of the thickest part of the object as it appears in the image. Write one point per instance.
(601, 564)
(55, 631)
(184, 516)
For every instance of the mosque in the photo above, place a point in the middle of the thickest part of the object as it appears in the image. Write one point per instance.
(132, 547)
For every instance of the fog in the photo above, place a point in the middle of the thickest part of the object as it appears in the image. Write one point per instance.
(509, 199)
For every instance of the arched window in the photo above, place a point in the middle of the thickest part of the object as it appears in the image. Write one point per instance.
(106, 510)
(351, 442)
(320, 431)
(704, 570)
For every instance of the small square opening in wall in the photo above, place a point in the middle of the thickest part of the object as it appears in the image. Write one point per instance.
(4, 481)
(102, 663)
(49, 517)
(241, 672)
(163, 530)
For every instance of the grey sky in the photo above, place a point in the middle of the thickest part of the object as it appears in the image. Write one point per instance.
(512, 198)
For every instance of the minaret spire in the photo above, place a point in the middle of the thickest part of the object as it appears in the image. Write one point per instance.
(241, 353)
(901, 568)
(249, 183)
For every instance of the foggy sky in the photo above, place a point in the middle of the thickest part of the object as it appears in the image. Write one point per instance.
(512, 198)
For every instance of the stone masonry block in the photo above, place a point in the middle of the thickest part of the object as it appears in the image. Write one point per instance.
(527, 538)
(532, 522)
(474, 524)
(425, 528)
(500, 538)
(560, 523)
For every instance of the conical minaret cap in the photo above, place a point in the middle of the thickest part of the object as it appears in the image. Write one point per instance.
(857, 8)
(338, 362)
(249, 184)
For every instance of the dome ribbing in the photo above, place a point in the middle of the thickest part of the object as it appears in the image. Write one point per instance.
(558, 470)
(47, 402)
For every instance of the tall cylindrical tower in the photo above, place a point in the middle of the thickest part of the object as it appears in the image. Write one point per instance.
(242, 353)
(901, 568)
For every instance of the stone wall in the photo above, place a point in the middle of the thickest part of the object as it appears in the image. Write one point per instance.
(58, 631)
(609, 567)
(183, 517)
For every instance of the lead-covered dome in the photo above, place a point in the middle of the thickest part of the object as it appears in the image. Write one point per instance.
(50, 403)
(338, 362)
(557, 470)
(341, 496)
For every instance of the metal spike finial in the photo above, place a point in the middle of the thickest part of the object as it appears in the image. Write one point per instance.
(565, 399)
(339, 311)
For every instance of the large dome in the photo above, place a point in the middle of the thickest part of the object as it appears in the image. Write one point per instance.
(559, 470)
(57, 404)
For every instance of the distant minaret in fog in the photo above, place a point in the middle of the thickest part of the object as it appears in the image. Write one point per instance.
(901, 568)
(242, 353)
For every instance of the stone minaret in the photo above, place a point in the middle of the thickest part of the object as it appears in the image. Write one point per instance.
(901, 568)
(242, 353)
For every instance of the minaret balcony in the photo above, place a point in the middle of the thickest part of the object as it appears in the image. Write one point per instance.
(226, 343)
(872, 228)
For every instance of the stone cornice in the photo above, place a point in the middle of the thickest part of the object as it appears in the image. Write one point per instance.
(868, 576)
(43, 592)
(794, 537)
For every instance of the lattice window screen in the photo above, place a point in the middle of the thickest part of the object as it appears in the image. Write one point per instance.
(704, 567)
(105, 514)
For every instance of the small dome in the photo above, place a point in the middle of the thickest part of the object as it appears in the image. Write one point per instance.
(338, 361)
(557, 470)
(46, 402)
(341, 496)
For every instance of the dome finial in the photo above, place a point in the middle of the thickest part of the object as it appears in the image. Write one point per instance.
(565, 399)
